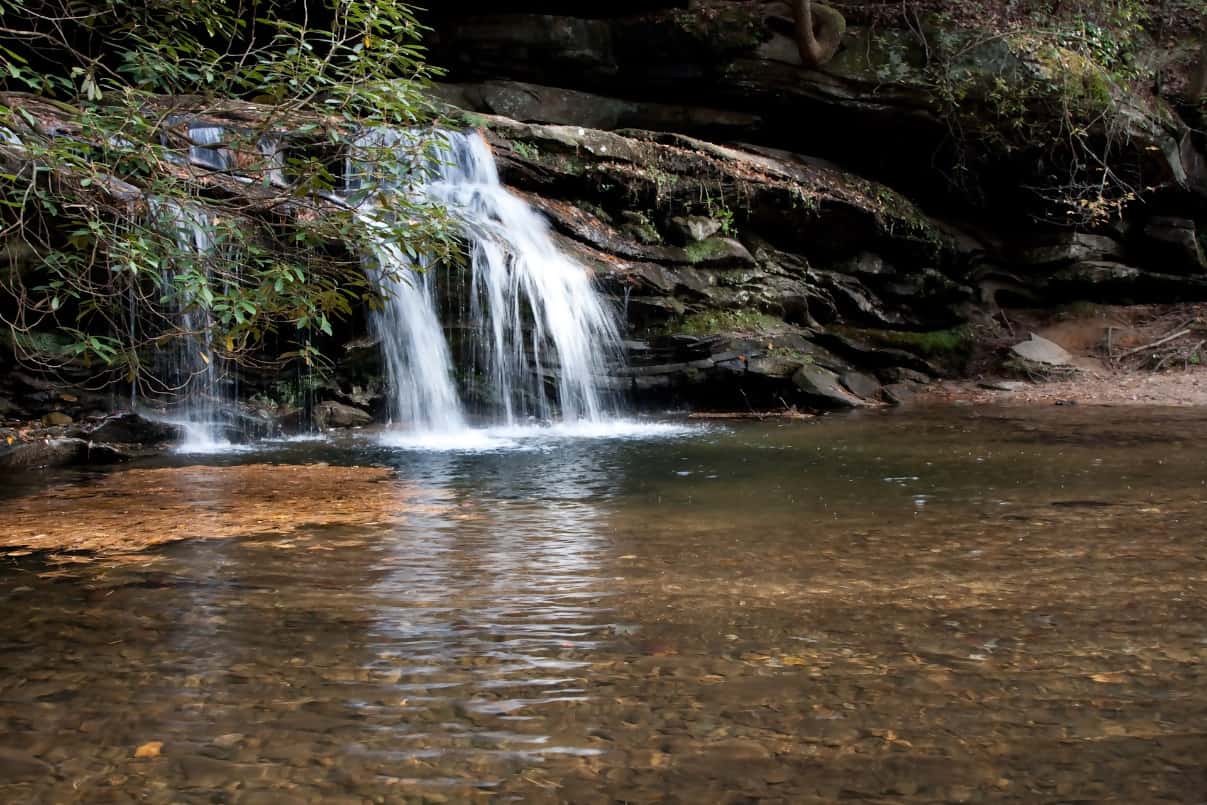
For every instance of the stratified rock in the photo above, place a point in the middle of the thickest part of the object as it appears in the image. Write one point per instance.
(874, 357)
(822, 387)
(741, 56)
(1072, 247)
(1040, 350)
(534, 103)
(1098, 281)
(331, 414)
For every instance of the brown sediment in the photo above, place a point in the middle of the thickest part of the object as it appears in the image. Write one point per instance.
(136, 509)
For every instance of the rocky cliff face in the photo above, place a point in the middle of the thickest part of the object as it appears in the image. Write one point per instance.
(780, 235)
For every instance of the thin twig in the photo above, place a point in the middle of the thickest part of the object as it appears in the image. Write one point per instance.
(1157, 343)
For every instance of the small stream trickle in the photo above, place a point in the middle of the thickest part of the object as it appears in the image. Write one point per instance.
(192, 371)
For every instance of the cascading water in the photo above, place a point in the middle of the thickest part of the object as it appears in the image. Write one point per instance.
(534, 320)
(191, 370)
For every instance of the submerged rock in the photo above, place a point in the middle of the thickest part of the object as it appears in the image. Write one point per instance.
(178, 503)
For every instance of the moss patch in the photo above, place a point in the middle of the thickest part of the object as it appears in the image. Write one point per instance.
(953, 344)
(710, 249)
(709, 322)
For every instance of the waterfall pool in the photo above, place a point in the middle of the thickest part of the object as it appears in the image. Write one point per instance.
(957, 605)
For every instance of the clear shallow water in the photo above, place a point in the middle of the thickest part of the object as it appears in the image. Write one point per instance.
(947, 605)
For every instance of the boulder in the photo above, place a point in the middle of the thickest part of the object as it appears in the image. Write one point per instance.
(823, 388)
(331, 414)
(1040, 350)
(1173, 246)
(860, 384)
(133, 428)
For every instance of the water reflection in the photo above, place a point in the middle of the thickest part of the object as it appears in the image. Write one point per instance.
(933, 607)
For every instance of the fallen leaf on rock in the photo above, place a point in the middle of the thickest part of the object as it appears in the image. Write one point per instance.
(149, 749)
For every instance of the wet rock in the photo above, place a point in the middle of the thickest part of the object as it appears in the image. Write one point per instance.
(331, 414)
(693, 228)
(823, 387)
(56, 419)
(1040, 350)
(132, 428)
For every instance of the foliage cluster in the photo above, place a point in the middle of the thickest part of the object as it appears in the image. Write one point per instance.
(173, 174)
(1065, 71)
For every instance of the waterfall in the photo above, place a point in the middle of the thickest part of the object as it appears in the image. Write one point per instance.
(190, 369)
(533, 323)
